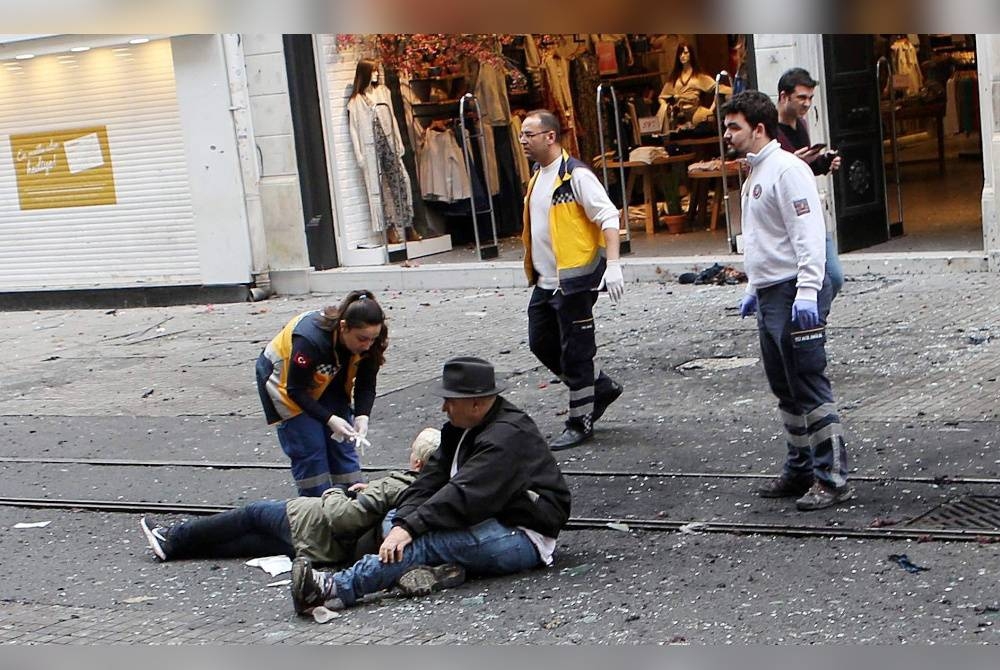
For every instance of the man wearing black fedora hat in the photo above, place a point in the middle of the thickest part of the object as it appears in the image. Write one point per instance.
(490, 501)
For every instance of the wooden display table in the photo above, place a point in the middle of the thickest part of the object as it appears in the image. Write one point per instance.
(703, 147)
(932, 111)
(704, 181)
(646, 171)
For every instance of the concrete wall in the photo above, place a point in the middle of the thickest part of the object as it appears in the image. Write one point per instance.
(776, 53)
(210, 148)
(988, 62)
(280, 197)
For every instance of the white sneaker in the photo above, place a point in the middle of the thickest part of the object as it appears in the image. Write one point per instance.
(156, 536)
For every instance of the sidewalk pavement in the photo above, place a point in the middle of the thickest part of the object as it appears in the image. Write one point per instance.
(915, 369)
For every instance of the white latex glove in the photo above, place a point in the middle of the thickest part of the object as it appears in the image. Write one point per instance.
(613, 281)
(340, 429)
(361, 425)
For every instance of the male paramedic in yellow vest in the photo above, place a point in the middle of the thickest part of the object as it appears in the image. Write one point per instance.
(570, 253)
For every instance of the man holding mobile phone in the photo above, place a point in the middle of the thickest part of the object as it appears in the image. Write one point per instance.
(795, 96)
(796, 89)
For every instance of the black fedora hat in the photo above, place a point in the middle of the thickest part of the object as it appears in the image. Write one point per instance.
(467, 377)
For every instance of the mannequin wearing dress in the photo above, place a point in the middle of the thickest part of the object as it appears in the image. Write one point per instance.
(378, 148)
(682, 97)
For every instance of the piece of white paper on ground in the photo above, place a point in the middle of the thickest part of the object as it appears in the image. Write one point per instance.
(322, 614)
(33, 524)
(281, 582)
(272, 565)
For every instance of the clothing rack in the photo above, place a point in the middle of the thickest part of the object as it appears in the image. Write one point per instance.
(625, 246)
(730, 223)
(484, 252)
(889, 224)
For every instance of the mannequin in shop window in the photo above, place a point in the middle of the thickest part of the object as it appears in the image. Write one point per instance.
(687, 98)
(378, 148)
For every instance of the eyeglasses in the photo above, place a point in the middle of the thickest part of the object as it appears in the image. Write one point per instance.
(528, 136)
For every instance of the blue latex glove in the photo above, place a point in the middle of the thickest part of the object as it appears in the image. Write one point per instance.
(748, 305)
(805, 313)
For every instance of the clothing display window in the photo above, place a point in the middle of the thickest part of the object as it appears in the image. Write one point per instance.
(507, 76)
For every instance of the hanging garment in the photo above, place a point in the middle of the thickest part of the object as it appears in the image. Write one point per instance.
(365, 111)
(491, 94)
(520, 160)
(906, 67)
(950, 107)
(441, 168)
(490, 159)
(556, 69)
(585, 80)
(397, 207)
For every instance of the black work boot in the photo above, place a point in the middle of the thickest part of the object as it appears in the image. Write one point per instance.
(606, 391)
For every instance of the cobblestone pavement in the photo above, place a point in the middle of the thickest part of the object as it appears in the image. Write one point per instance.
(913, 361)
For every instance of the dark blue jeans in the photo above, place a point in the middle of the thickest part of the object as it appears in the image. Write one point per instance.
(834, 270)
(259, 529)
(487, 549)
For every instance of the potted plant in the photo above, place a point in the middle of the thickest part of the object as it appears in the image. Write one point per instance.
(675, 219)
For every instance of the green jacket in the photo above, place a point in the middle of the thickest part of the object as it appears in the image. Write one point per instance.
(325, 529)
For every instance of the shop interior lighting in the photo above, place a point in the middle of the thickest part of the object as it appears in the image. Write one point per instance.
(79, 49)
(139, 40)
(24, 56)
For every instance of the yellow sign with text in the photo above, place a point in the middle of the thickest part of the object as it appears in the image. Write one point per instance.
(63, 168)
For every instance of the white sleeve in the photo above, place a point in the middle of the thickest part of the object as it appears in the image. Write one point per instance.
(805, 227)
(353, 123)
(590, 193)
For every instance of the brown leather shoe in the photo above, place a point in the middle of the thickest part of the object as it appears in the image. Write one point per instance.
(423, 580)
(412, 235)
(785, 487)
(392, 235)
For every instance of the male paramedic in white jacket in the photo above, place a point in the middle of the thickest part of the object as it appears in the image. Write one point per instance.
(784, 240)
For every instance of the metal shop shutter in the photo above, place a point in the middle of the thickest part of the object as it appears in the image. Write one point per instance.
(93, 179)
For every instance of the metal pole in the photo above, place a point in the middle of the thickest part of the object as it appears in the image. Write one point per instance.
(626, 245)
(467, 151)
(722, 160)
(895, 147)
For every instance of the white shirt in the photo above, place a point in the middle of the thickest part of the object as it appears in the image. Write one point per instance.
(542, 255)
(784, 234)
(589, 193)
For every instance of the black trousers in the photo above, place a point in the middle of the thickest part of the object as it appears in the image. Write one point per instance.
(561, 336)
(795, 364)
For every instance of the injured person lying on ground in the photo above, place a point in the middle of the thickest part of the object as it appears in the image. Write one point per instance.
(491, 501)
(336, 528)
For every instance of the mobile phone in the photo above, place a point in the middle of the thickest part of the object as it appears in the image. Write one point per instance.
(817, 147)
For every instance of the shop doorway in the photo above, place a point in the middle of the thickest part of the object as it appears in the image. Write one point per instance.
(934, 166)
(859, 187)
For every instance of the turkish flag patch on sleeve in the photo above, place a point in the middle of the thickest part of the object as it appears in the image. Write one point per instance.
(301, 360)
(801, 206)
